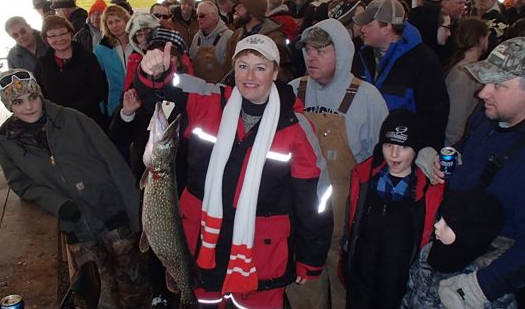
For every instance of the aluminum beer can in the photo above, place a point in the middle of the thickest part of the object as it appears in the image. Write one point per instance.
(12, 302)
(447, 160)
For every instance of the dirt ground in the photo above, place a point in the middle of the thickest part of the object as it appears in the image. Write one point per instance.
(28, 248)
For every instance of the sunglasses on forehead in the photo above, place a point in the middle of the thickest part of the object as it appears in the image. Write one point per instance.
(8, 79)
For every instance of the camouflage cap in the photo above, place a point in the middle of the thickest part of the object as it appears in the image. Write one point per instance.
(505, 62)
(316, 37)
(15, 83)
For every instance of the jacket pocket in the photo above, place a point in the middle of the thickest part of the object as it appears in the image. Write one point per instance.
(271, 246)
(190, 208)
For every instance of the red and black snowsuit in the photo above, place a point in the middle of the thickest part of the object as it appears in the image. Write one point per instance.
(291, 235)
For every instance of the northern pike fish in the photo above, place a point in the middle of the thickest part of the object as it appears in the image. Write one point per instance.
(161, 220)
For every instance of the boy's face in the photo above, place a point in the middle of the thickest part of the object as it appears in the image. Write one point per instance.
(27, 107)
(443, 232)
(399, 159)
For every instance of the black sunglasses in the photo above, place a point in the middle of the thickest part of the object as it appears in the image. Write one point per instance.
(162, 16)
(8, 79)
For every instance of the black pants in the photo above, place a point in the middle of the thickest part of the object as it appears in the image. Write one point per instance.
(382, 258)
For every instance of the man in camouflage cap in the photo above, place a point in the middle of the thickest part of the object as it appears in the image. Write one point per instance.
(492, 156)
(505, 62)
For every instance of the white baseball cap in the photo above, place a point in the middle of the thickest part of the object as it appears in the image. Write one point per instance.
(260, 43)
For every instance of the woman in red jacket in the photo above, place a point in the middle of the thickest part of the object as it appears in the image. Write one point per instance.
(253, 207)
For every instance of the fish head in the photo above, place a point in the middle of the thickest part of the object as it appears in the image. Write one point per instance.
(159, 154)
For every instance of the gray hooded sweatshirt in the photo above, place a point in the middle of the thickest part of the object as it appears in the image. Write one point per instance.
(368, 109)
(207, 41)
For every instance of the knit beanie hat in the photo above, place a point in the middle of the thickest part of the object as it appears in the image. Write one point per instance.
(401, 127)
(476, 218)
(61, 4)
(98, 6)
(17, 82)
(257, 8)
(160, 36)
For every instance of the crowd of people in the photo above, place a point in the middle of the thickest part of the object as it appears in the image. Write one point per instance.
(308, 155)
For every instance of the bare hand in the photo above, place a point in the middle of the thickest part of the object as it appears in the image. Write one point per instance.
(299, 280)
(131, 102)
(438, 175)
(156, 62)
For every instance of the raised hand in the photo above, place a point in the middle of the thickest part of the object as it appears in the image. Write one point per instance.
(131, 102)
(156, 62)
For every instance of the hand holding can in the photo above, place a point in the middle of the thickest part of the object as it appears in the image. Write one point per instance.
(448, 160)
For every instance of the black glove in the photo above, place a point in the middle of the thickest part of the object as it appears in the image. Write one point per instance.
(69, 211)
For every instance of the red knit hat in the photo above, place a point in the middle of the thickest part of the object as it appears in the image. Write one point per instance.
(98, 6)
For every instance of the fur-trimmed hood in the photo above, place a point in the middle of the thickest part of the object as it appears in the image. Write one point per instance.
(138, 22)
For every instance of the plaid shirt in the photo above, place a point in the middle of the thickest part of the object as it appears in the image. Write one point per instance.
(387, 190)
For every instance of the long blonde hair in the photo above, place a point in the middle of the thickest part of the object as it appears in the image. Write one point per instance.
(115, 10)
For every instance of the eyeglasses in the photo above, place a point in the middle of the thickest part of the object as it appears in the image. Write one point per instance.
(201, 16)
(162, 16)
(57, 35)
(18, 34)
(9, 79)
(449, 27)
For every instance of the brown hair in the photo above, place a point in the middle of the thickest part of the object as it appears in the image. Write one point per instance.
(115, 10)
(55, 22)
(469, 33)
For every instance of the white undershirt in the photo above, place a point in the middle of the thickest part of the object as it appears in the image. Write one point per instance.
(123, 54)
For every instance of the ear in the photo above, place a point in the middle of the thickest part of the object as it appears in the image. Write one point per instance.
(275, 73)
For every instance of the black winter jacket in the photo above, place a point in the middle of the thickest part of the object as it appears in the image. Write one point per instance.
(80, 84)
(79, 165)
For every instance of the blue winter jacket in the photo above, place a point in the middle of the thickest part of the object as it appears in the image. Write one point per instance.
(486, 138)
(410, 77)
(112, 66)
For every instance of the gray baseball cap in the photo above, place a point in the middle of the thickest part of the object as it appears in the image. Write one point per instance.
(505, 62)
(387, 11)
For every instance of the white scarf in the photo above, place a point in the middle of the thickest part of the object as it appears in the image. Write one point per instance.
(241, 274)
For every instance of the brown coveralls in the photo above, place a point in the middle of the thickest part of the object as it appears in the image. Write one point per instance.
(330, 128)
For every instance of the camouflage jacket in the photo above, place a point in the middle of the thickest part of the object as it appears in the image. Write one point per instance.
(423, 284)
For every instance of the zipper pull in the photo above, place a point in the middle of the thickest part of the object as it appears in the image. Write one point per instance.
(52, 159)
